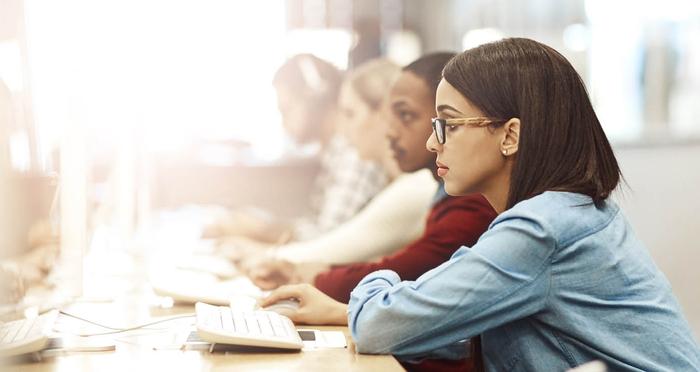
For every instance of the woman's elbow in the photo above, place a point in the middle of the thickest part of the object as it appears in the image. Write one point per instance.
(365, 344)
(372, 337)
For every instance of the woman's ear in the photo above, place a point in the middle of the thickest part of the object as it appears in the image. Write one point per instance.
(511, 137)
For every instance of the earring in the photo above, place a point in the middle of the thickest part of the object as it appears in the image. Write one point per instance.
(505, 152)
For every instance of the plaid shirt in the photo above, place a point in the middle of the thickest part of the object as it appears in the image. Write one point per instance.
(343, 186)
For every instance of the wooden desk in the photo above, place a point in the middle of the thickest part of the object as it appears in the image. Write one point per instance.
(131, 302)
(132, 357)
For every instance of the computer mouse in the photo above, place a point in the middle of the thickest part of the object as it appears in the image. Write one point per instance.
(282, 307)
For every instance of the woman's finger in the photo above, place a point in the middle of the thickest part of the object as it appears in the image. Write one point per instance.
(282, 293)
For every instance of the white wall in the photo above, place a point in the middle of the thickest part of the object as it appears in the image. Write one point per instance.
(663, 206)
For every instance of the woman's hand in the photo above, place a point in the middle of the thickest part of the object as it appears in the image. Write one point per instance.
(12, 285)
(41, 233)
(272, 273)
(315, 307)
(251, 223)
(37, 263)
(239, 249)
(241, 222)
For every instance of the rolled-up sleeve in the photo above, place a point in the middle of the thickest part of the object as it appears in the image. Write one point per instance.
(504, 277)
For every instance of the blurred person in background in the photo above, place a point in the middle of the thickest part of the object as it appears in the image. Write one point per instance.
(12, 285)
(391, 220)
(307, 91)
(30, 267)
(26, 257)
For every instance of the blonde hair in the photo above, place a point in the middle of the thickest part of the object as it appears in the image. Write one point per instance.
(372, 80)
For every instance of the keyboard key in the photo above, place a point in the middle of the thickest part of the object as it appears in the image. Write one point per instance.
(280, 330)
(205, 319)
(265, 326)
(3, 333)
(253, 327)
(38, 326)
(216, 318)
(13, 332)
(227, 319)
(277, 321)
(24, 331)
(239, 322)
(274, 317)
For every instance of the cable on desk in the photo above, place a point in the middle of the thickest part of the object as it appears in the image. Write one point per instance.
(120, 330)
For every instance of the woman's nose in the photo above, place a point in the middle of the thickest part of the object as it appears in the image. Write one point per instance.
(432, 144)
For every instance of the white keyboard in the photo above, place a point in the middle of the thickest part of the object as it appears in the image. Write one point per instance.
(220, 324)
(26, 335)
(192, 287)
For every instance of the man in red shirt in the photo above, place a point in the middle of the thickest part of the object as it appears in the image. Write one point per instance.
(452, 221)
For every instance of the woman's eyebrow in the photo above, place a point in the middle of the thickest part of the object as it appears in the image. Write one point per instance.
(447, 107)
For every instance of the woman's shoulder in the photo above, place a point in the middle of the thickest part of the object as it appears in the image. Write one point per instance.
(565, 214)
(564, 204)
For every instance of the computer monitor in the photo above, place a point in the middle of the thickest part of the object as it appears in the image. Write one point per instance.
(27, 181)
(73, 199)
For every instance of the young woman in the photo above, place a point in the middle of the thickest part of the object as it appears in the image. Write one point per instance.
(307, 89)
(560, 278)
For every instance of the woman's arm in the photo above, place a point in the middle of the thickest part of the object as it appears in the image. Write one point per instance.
(346, 183)
(504, 277)
(394, 218)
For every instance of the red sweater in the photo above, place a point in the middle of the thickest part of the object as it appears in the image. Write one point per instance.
(452, 223)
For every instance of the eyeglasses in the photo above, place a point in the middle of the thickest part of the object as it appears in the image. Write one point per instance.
(439, 124)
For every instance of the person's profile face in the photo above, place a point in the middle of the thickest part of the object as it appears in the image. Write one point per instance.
(295, 118)
(470, 158)
(362, 125)
(410, 105)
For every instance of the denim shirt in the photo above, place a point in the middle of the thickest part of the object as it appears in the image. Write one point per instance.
(555, 282)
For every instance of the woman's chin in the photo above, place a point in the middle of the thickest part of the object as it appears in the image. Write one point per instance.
(453, 189)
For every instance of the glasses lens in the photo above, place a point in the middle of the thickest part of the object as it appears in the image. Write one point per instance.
(439, 129)
(435, 128)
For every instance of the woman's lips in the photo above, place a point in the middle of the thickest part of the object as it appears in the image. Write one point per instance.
(442, 169)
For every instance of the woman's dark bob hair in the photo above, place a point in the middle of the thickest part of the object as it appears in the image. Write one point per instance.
(562, 145)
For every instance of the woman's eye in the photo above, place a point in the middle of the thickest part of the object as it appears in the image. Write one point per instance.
(451, 127)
